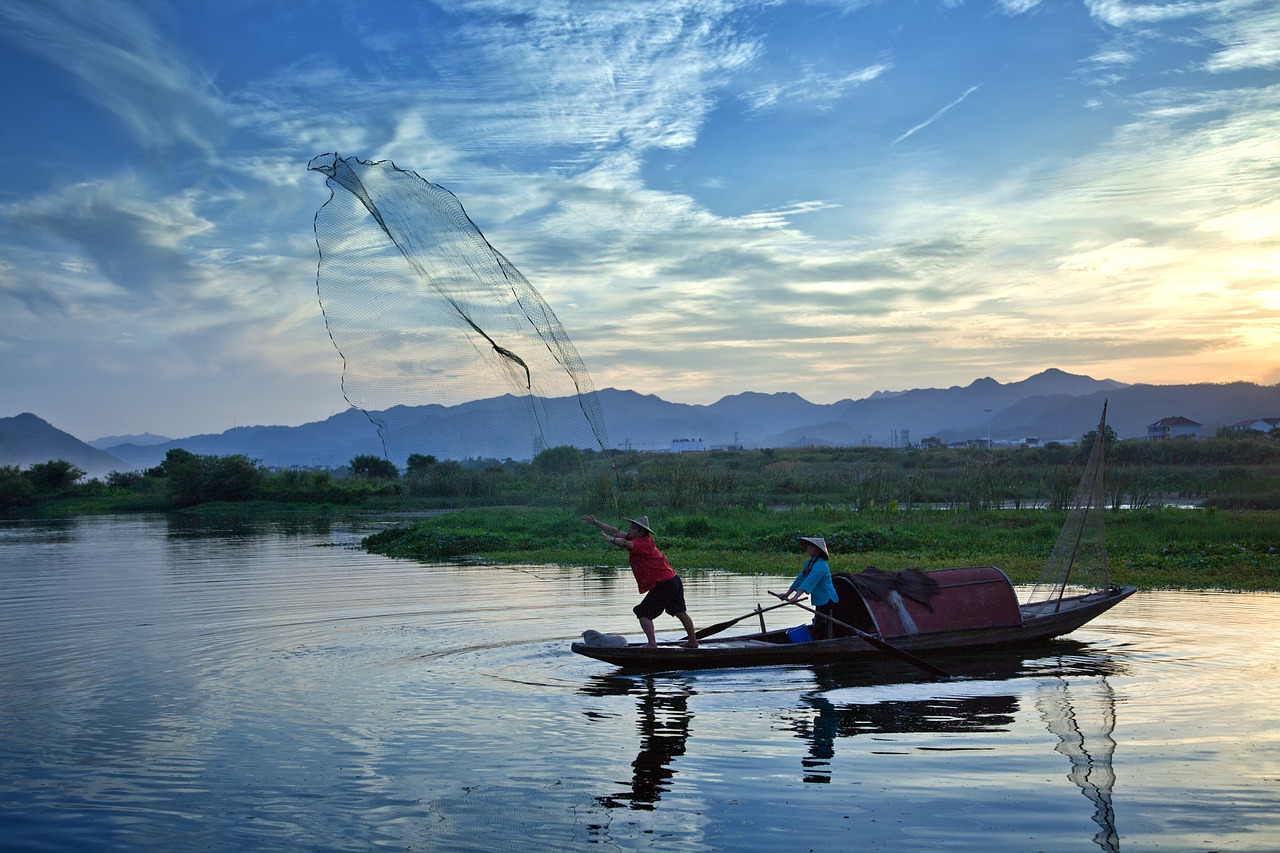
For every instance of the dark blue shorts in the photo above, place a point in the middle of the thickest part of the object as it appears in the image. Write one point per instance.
(667, 596)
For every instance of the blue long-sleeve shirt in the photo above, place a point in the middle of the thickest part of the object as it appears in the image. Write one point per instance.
(815, 579)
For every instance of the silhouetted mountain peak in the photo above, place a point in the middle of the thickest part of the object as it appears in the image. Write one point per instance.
(760, 396)
(142, 440)
(766, 413)
(26, 420)
(27, 440)
(1051, 405)
(1055, 381)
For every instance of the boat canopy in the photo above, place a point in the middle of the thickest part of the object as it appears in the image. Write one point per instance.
(970, 597)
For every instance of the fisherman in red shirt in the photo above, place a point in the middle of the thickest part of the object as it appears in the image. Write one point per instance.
(663, 588)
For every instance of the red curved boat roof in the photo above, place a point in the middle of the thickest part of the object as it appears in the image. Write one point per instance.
(968, 597)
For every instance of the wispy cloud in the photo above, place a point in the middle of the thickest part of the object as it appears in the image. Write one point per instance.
(1251, 41)
(939, 114)
(602, 76)
(608, 151)
(1248, 31)
(137, 242)
(1122, 13)
(1018, 7)
(816, 88)
(118, 58)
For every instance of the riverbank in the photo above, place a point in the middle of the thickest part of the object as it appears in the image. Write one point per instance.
(1148, 548)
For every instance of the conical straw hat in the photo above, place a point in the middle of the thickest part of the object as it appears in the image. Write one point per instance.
(820, 542)
(643, 521)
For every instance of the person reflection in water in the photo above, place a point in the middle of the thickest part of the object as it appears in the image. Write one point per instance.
(655, 578)
(822, 734)
(664, 730)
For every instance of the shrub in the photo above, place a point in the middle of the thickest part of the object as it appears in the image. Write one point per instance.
(370, 467)
(15, 489)
(55, 476)
(196, 479)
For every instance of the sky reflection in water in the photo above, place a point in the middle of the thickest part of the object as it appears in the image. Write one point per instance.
(171, 684)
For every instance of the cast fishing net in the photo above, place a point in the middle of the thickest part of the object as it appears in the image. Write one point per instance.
(428, 316)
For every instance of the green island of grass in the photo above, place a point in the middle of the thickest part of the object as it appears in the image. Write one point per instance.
(741, 510)
(1147, 548)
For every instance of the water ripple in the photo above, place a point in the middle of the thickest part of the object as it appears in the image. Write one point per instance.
(168, 685)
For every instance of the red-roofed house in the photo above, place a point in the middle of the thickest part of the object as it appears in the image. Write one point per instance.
(1175, 427)
(1257, 425)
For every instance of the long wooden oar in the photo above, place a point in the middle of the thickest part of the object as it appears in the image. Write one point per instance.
(720, 626)
(873, 640)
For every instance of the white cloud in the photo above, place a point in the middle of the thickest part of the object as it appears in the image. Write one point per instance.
(1017, 7)
(122, 62)
(135, 241)
(1248, 31)
(597, 76)
(1121, 13)
(1250, 39)
(1122, 259)
(1113, 56)
(816, 88)
(1257, 223)
(545, 118)
(939, 114)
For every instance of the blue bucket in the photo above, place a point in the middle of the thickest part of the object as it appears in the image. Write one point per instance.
(798, 634)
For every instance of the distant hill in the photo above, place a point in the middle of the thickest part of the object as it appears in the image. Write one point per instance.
(1050, 406)
(116, 440)
(1134, 407)
(322, 444)
(27, 440)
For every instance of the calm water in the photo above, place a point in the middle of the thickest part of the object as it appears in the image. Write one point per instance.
(170, 686)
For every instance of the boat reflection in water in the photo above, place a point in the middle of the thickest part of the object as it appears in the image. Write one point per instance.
(1088, 743)
(1066, 681)
(1071, 693)
(958, 715)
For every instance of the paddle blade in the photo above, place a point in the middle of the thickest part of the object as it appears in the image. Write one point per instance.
(718, 627)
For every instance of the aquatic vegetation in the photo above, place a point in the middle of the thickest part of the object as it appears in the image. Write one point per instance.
(1166, 548)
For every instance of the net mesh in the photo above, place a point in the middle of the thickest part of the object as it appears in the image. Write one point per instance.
(1086, 735)
(1079, 557)
(427, 315)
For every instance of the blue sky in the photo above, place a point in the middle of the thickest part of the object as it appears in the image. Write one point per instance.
(831, 198)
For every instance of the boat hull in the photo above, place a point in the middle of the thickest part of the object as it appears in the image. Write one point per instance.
(771, 648)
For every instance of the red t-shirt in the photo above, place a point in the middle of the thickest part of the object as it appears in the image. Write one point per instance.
(648, 564)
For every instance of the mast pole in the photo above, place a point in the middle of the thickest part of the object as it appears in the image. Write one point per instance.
(1095, 492)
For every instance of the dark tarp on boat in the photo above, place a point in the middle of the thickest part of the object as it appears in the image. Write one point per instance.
(900, 604)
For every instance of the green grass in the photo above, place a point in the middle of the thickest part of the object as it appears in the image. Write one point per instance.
(1156, 548)
(93, 505)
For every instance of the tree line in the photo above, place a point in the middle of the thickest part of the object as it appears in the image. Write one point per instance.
(187, 479)
(1230, 471)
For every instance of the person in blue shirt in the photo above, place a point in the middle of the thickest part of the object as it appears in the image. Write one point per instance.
(815, 579)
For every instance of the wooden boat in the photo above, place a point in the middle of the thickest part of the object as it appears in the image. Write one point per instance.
(949, 632)
(929, 614)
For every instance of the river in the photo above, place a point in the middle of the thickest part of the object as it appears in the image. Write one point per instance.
(177, 684)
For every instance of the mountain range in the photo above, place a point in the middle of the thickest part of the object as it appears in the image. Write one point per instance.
(1050, 406)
